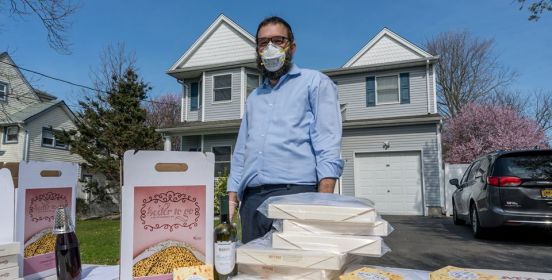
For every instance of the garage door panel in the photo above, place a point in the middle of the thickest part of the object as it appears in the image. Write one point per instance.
(392, 180)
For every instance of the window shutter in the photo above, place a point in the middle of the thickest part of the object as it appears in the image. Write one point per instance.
(370, 91)
(405, 88)
(194, 90)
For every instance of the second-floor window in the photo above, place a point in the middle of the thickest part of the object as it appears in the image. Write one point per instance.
(3, 91)
(11, 134)
(222, 159)
(194, 96)
(387, 90)
(222, 88)
(49, 140)
(253, 82)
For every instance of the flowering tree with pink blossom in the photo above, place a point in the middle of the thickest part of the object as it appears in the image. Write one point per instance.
(483, 128)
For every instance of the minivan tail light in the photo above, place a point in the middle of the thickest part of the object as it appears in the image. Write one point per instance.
(503, 181)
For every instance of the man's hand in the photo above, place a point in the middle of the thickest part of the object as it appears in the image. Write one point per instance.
(232, 204)
(326, 185)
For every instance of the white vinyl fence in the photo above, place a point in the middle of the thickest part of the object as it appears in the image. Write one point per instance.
(452, 171)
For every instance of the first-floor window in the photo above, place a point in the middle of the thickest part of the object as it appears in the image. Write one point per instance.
(222, 160)
(49, 140)
(387, 89)
(11, 134)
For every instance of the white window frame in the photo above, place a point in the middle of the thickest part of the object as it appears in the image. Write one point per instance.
(246, 83)
(6, 129)
(398, 89)
(54, 140)
(213, 89)
(222, 146)
(5, 92)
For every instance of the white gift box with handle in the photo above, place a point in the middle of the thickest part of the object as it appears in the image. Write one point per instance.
(357, 245)
(287, 273)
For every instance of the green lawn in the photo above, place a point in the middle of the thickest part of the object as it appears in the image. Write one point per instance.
(99, 241)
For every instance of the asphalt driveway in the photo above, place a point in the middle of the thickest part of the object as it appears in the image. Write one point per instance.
(431, 243)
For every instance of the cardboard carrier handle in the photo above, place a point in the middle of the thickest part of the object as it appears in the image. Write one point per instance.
(171, 167)
(50, 173)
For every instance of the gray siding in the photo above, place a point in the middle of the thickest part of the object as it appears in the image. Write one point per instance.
(210, 141)
(352, 92)
(57, 119)
(225, 110)
(20, 94)
(405, 138)
(191, 142)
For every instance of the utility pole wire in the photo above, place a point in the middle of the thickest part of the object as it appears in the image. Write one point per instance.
(73, 84)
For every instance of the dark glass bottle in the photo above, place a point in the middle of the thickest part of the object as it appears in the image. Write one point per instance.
(68, 263)
(225, 244)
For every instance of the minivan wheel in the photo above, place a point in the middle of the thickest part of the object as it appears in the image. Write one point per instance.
(477, 231)
(455, 219)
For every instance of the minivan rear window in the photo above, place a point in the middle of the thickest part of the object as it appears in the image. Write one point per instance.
(525, 166)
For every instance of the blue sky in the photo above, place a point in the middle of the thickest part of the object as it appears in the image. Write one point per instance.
(328, 33)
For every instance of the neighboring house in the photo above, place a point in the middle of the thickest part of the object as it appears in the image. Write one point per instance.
(391, 129)
(29, 119)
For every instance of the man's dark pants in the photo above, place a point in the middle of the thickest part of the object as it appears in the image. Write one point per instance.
(255, 224)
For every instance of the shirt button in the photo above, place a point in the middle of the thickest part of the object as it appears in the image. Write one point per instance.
(260, 153)
(270, 104)
(262, 135)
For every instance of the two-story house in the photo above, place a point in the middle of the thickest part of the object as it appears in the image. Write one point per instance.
(29, 119)
(391, 129)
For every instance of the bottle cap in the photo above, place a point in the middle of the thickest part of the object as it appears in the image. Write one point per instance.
(62, 221)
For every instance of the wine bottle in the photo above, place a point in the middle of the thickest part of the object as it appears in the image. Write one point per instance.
(68, 263)
(225, 244)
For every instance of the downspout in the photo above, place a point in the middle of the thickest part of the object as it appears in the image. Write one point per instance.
(26, 146)
(434, 90)
(203, 97)
(427, 87)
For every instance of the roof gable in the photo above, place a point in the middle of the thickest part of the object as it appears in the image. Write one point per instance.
(386, 47)
(7, 76)
(224, 41)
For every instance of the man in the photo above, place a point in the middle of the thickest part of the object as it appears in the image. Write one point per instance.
(290, 136)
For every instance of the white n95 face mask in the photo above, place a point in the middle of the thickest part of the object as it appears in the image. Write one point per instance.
(273, 57)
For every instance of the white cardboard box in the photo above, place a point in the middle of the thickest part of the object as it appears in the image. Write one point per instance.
(287, 273)
(167, 201)
(357, 245)
(9, 248)
(7, 215)
(9, 273)
(322, 213)
(8, 261)
(43, 186)
(378, 228)
(253, 255)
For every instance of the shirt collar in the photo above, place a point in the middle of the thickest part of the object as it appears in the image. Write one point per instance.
(294, 71)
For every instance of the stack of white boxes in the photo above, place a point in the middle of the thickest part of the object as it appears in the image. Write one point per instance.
(314, 242)
(9, 253)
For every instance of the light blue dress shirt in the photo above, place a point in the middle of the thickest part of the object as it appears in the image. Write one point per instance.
(289, 134)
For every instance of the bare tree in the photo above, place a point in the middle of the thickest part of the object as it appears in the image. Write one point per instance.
(510, 98)
(114, 60)
(543, 109)
(536, 7)
(467, 70)
(164, 111)
(54, 15)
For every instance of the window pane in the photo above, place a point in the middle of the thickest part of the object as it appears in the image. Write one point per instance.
(47, 138)
(2, 88)
(387, 89)
(224, 81)
(222, 153)
(222, 168)
(252, 83)
(194, 100)
(223, 94)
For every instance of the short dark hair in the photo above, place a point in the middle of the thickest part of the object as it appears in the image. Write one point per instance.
(274, 20)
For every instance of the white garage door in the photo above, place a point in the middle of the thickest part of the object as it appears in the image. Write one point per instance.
(392, 180)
